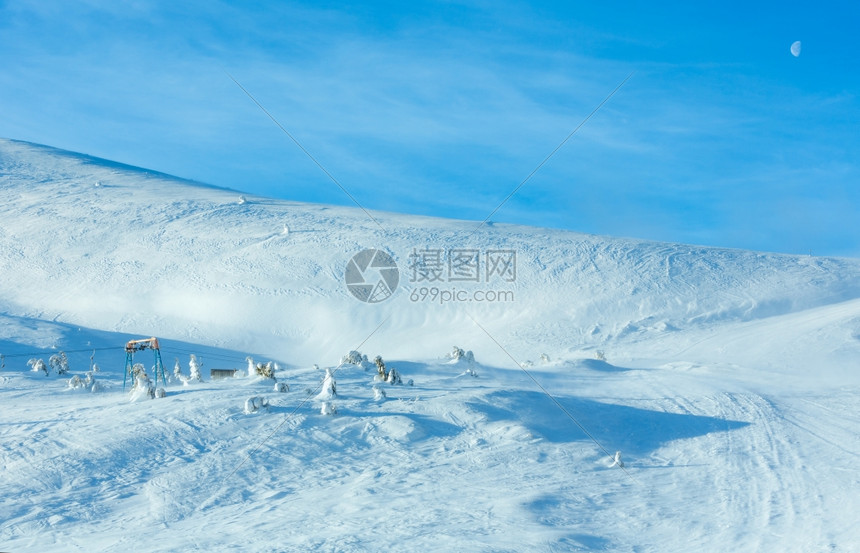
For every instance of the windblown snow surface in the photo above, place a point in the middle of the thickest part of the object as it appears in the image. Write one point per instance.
(727, 379)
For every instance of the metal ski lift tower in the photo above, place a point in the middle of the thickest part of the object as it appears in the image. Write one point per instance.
(140, 345)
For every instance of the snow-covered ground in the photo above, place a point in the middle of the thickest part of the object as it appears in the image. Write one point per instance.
(729, 381)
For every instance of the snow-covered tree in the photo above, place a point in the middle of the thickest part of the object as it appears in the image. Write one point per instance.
(37, 365)
(393, 377)
(328, 408)
(329, 386)
(378, 393)
(381, 371)
(282, 387)
(265, 370)
(143, 386)
(353, 358)
(459, 354)
(89, 383)
(136, 371)
(194, 367)
(386, 374)
(59, 362)
(177, 370)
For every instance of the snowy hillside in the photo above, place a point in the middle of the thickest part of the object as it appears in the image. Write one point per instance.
(112, 247)
(729, 380)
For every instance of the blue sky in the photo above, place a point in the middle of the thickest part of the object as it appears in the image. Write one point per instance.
(721, 136)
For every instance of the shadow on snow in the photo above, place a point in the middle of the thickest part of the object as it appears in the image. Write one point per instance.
(617, 427)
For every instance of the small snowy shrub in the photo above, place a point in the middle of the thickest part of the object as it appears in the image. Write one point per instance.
(143, 387)
(256, 403)
(329, 386)
(265, 370)
(458, 354)
(381, 371)
(89, 383)
(353, 358)
(194, 367)
(544, 358)
(328, 408)
(177, 371)
(600, 355)
(282, 387)
(160, 392)
(385, 374)
(59, 362)
(378, 393)
(394, 377)
(37, 365)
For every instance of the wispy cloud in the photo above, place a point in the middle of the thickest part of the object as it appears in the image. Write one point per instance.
(442, 109)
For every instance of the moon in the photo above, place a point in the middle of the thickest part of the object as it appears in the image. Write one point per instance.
(795, 48)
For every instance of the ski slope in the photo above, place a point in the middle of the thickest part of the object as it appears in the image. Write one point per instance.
(727, 379)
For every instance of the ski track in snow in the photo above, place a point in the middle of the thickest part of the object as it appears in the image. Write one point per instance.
(727, 379)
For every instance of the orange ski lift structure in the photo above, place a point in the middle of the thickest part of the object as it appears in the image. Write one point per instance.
(140, 345)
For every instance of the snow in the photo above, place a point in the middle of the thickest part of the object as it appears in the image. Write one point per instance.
(728, 382)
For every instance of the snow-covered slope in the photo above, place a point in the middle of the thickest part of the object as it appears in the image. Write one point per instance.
(113, 247)
(729, 380)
